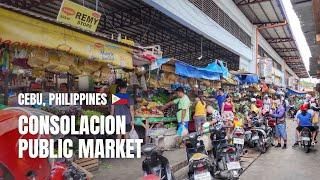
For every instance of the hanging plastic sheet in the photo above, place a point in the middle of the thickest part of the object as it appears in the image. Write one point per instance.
(248, 78)
(157, 63)
(293, 92)
(184, 69)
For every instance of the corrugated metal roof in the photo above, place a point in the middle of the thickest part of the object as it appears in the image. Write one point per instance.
(270, 11)
(304, 10)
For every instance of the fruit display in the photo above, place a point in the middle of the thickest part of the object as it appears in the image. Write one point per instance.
(64, 110)
(148, 109)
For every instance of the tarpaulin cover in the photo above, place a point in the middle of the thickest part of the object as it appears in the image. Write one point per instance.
(248, 78)
(158, 62)
(293, 92)
(184, 69)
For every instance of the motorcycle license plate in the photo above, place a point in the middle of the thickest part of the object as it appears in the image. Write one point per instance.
(203, 176)
(305, 139)
(238, 141)
(233, 165)
(255, 138)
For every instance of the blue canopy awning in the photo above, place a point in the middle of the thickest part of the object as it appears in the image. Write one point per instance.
(209, 73)
(248, 78)
(294, 92)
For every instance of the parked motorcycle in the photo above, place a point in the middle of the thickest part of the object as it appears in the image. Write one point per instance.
(226, 161)
(155, 164)
(306, 139)
(272, 122)
(238, 140)
(261, 136)
(200, 164)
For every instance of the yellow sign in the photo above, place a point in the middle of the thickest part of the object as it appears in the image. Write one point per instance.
(29, 32)
(79, 16)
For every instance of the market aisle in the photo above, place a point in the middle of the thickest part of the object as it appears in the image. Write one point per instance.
(288, 164)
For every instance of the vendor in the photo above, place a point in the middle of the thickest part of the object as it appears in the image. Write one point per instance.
(183, 103)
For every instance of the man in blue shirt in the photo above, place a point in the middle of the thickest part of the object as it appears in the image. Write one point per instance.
(305, 121)
(220, 97)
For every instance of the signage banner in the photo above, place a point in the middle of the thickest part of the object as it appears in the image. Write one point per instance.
(79, 16)
(29, 32)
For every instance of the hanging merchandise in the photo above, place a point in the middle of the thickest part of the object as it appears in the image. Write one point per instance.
(38, 57)
(133, 79)
(20, 58)
(143, 83)
(4, 60)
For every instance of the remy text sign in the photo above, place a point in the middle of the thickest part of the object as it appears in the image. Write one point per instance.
(79, 16)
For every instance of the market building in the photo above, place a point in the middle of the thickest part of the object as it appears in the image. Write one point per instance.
(146, 55)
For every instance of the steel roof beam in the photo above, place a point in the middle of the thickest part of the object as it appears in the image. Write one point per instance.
(279, 40)
(247, 2)
(267, 25)
(288, 58)
(285, 49)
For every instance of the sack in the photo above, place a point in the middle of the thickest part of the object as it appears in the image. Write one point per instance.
(315, 119)
(182, 130)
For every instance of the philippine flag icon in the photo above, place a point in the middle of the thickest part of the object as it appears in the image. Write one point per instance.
(119, 99)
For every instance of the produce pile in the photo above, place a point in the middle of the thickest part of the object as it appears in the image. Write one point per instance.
(64, 110)
(149, 109)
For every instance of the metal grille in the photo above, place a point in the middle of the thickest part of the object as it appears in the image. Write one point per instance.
(215, 13)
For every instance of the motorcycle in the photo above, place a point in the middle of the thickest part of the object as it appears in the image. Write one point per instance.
(200, 165)
(306, 139)
(155, 164)
(261, 136)
(238, 139)
(292, 112)
(226, 161)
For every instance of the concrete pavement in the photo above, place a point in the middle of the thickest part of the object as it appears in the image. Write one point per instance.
(286, 164)
(124, 169)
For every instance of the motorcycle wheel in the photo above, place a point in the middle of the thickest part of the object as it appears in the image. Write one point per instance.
(307, 146)
(262, 146)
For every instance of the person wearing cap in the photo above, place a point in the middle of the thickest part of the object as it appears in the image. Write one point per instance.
(183, 104)
(305, 121)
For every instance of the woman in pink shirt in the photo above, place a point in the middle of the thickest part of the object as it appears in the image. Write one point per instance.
(227, 111)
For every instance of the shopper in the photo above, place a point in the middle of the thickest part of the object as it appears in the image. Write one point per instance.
(266, 103)
(281, 132)
(126, 110)
(200, 112)
(220, 97)
(183, 104)
(228, 114)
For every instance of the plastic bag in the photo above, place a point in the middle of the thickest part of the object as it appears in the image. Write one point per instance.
(182, 130)
(315, 119)
(134, 135)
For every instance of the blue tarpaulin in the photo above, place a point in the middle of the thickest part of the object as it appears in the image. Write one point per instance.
(248, 78)
(293, 92)
(210, 73)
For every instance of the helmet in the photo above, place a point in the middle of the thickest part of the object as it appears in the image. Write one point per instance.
(304, 107)
(253, 100)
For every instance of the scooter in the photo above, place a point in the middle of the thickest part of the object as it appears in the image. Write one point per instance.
(200, 165)
(226, 161)
(155, 164)
(238, 139)
(306, 139)
(261, 136)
